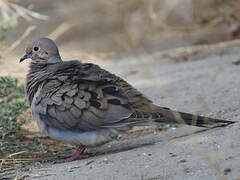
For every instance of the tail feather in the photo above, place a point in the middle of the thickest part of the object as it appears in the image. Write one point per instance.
(190, 119)
(167, 116)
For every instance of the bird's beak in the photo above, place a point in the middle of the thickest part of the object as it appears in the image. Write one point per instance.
(26, 56)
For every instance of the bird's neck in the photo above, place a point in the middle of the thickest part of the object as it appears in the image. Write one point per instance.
(36, 75)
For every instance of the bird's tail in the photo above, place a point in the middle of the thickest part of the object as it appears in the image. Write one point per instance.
(190, 119)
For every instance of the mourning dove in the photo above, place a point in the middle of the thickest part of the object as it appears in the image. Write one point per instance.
(82, 104)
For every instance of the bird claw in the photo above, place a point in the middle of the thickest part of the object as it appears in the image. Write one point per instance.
(78, 154)
(72, 158)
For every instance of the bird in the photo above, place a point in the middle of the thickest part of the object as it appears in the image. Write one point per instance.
(84, 105)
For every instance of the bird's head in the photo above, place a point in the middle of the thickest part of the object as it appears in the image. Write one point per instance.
(42, 50)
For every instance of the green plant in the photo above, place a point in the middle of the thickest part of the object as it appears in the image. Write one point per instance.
(12, 105)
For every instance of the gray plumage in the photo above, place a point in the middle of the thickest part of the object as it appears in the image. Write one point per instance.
(80, 103)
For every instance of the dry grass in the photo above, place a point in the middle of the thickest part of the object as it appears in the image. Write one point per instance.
(10, 11)
(20, 160)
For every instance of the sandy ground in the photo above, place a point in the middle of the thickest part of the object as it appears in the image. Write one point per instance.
(209, 87)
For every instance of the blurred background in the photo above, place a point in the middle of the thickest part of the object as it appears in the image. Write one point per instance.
(118, 28)
(100, 31)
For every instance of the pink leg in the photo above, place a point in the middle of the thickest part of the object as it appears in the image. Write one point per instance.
(78, 154)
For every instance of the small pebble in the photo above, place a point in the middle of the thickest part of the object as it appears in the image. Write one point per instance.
(230, 157)
(227, 171)
(187, 170)
(89, 162)
(182, 161)
(172, 155)
(106, 160)
(236, 62)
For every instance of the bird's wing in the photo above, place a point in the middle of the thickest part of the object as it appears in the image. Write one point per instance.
(83, 97)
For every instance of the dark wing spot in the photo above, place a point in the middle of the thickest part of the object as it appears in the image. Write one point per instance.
(103, 82)
(109, 90)
(95, 104)
(118, 94)
(113, 91)
(114, 101)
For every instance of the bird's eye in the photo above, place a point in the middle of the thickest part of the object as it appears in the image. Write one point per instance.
(36, 48)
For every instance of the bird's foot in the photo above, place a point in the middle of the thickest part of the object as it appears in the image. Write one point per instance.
(78, 154)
